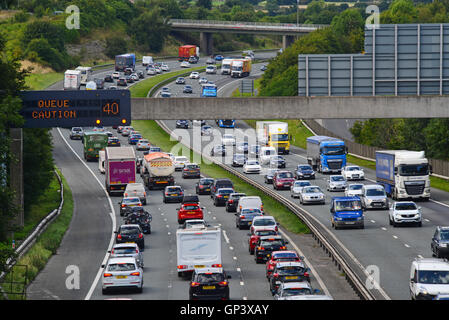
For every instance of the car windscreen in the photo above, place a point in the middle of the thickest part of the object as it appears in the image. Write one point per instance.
(375, 192)
(356, 187)
(209, 277)
(251, 212)
(348, 205)
(264, 222)
(311, 190)
(206, 182)
(122, 267)
(226, 191)
(352, 168)
(296, 292)
(125, 250)
(337, 178)
(266, 233)
(290, 270)
(252, 163)
(301, 184)
(304, 168)
(269, 243)
(174, 189)
(129, 230)
(191, 207)
(405, 206)
(433, 277)
(284, 175)
(131, 201)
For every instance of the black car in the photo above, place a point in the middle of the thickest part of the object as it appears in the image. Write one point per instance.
(288, 272)
(233, 200)
(139, 164)
(190, 199)
(130, 233)
(108, 78)
(268, 177)
(245, 217)
(184, 124)
(304, 171)
(221, 183)
(121, 82)
(277, 162)
(440, 242)
(203, 186)
(238, 160)
(129, 79)
(219, 150)
(173, 194)
(141, 74)
(266, 245)
(221, 196)
(209, 283)
(113, 142)
(99, 83)
(137, 215)
(187, 89)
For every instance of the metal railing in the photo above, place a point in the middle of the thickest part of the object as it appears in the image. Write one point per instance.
(291, 26)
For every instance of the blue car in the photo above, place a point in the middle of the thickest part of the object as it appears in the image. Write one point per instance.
(134, 138)
(219, 57)
(182, 124)
(304, 171)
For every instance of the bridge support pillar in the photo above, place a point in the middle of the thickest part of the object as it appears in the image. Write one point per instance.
(287, 41)
(206, 43)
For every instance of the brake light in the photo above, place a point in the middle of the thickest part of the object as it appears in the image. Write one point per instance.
(182, 267)
(260, 248)
(123, 205)
(194, 284)
(112, 252)
(139, 204)
(306, 274)
(140, 236)
(126, 195)
(137, 250)
(135, 274)
(231, 201)
(276, 275)
(223, 283)
(261, 208)
(119, 236)
(283, 248)
(107, 275)
(218, 265)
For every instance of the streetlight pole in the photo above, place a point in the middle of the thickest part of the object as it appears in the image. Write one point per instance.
(297, 13)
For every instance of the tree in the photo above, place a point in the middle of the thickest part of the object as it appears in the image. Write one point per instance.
(400, 11)
(150, 29)
(115, 45)
(206, 4)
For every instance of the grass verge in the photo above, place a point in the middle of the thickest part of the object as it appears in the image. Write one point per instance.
(40, 81)
(156, 135)
(46, 245)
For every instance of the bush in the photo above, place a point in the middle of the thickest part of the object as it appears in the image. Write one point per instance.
(115, 46)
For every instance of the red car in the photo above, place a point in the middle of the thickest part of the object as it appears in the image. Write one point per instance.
(189, 211)
(283, 180)
(280, 256)
(254, 237)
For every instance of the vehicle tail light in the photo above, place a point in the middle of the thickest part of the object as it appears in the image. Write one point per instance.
(181, 193)
(125, 194)
(261, 208)
(180, 267)
(135, 274)
(137, 250)
(139, 204)
(276, 275)
(112, 252)
(219, 196)
(166, 193)
(119, 237)
(107, 275)
(140, 236)
(123, 205)
(283, 248)
(144, 194)
(223, 283)
(242, 217)
(306, 274)
(218, 265)
(194, 284)
(231, 201)
(260, 248)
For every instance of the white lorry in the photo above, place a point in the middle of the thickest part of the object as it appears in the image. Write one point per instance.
(198, 248)
(72, 80)
(404, 174)
(86, 74)
(146, 60)
(274, 134)
(226, 66)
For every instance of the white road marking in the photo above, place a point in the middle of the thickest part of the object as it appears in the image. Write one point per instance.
(406, 245)
(395, 236)
(384, 229)
(225, 236)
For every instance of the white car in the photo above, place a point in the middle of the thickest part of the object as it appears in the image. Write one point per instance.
(158, 69)
(143, 144)
(131, 249)
(264, 222)
(165, 67)
(194, 75)
(203, 80)
(353, 190)
(151, 72)
(194, 224)
(353, 173)
(180, 162)
(211, 69)
(122, 273)
(295, 189)
(228, 139)
(336, 183)
(311, 194)
(252, 166)
(184, 64)
(405, 212)
(116, 75)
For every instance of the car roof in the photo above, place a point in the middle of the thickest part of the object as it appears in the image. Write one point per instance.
(432, 264)
(290, 285)
(277, 237)
(284, 252)
(290, 264)
(354, 198)
(122, 260)
(208, 270)
(124, 245)
(264, 217)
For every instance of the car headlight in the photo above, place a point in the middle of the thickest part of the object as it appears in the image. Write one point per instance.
(443, 245)
(338, 218)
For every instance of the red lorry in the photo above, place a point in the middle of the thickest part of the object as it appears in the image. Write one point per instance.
(187, 51)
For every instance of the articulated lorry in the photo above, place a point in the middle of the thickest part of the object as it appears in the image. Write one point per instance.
(124, 61)
(274, 134)
(240, 68)
(404, 174)
(157, 170)
(198, 248)
(72, 80)
(326, 154)
(120, 169)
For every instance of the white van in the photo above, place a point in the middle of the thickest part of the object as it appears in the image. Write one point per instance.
(146, 60)
(250, 202)
(265, 154)
(101, 158)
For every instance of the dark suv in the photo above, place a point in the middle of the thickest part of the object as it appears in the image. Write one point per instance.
(266, 245)
(191, 170)
(221, 183)
(440, 242)
(233, 201)
(131, 233)
(173, 194)
(221, 196)
(204, 186)
(209, 283)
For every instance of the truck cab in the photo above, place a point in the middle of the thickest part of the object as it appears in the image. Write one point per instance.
(274, 134)
(326, 154)
(347, 212)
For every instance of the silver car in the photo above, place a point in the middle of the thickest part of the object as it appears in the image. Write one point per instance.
(143, 144)
(374, 197)
(336, 183)
(296, 187)
(122, 273)
(311, 194)
(131, 249)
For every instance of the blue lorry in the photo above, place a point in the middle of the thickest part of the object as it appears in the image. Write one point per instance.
(208, 90)
(347, 212)
(326, 154)
(124, 61)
